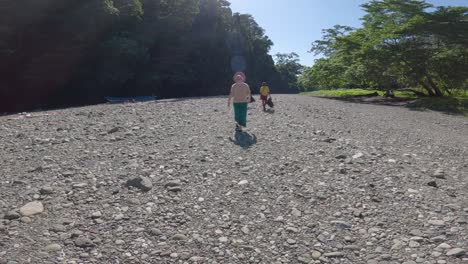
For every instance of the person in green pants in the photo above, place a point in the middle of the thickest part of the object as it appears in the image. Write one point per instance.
(240, 96)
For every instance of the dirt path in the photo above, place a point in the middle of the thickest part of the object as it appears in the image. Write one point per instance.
(316, 181)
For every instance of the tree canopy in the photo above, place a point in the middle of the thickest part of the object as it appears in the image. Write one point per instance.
(401, 44)
(289, 68)
(65, 52)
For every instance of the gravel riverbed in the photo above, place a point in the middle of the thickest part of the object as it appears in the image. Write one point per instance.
(314, 181)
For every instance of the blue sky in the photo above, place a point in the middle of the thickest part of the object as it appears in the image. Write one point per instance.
(294, 24)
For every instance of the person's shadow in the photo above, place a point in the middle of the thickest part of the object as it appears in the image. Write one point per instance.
(244, 139)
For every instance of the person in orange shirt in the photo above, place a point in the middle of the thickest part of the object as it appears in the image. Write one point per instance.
(264, 93)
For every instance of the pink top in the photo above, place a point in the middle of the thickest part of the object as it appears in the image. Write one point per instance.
(240, 92)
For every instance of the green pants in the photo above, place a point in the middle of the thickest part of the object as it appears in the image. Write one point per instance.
(240, 113)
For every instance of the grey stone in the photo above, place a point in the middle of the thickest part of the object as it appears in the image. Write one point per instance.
(336, 254)
(417, 232)
(196, 259)
(316, 254)
(174, 189)
(174, 183)
(437, 222)
(437, 239)
(53, 247)
(46, 190)
(292, 229)
(444, 246)
(341, 224)
(142, 183)
(304, 259)
(58, 228)
(414, 244)
(79, 185)
(386, 257)
(12, 215)
(113, 130)
(245, 230)
(76, 233)
(456, 252)
(179, 237)
(83, 242)
(296, 212)
(96, 215)
(439, 174)
(155, 232)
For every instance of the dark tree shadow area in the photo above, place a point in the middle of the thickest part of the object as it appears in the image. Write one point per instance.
(244, 139)
(446, 105)
(377, 100)
(182, 99)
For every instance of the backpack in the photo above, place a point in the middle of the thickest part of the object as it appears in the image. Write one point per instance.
(269, 102)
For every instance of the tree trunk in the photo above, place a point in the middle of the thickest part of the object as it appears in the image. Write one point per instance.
(418, 93)
(437, 90)
(428, 89)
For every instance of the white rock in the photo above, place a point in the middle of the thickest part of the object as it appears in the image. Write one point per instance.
(53, 247)
(437, 222)
(414, 244)
(444, 246)
(296, 212)
(358, 155)
(243, 182)
(32, 208)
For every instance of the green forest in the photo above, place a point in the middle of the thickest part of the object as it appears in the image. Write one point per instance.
(59, 53)
(403, 44)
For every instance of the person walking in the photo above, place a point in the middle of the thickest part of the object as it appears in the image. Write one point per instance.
(264, 93)
(240, 96)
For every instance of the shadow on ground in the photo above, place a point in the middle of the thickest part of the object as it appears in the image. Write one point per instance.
(451, 106)
(182, 99)
(244, 139)
(447, 105)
